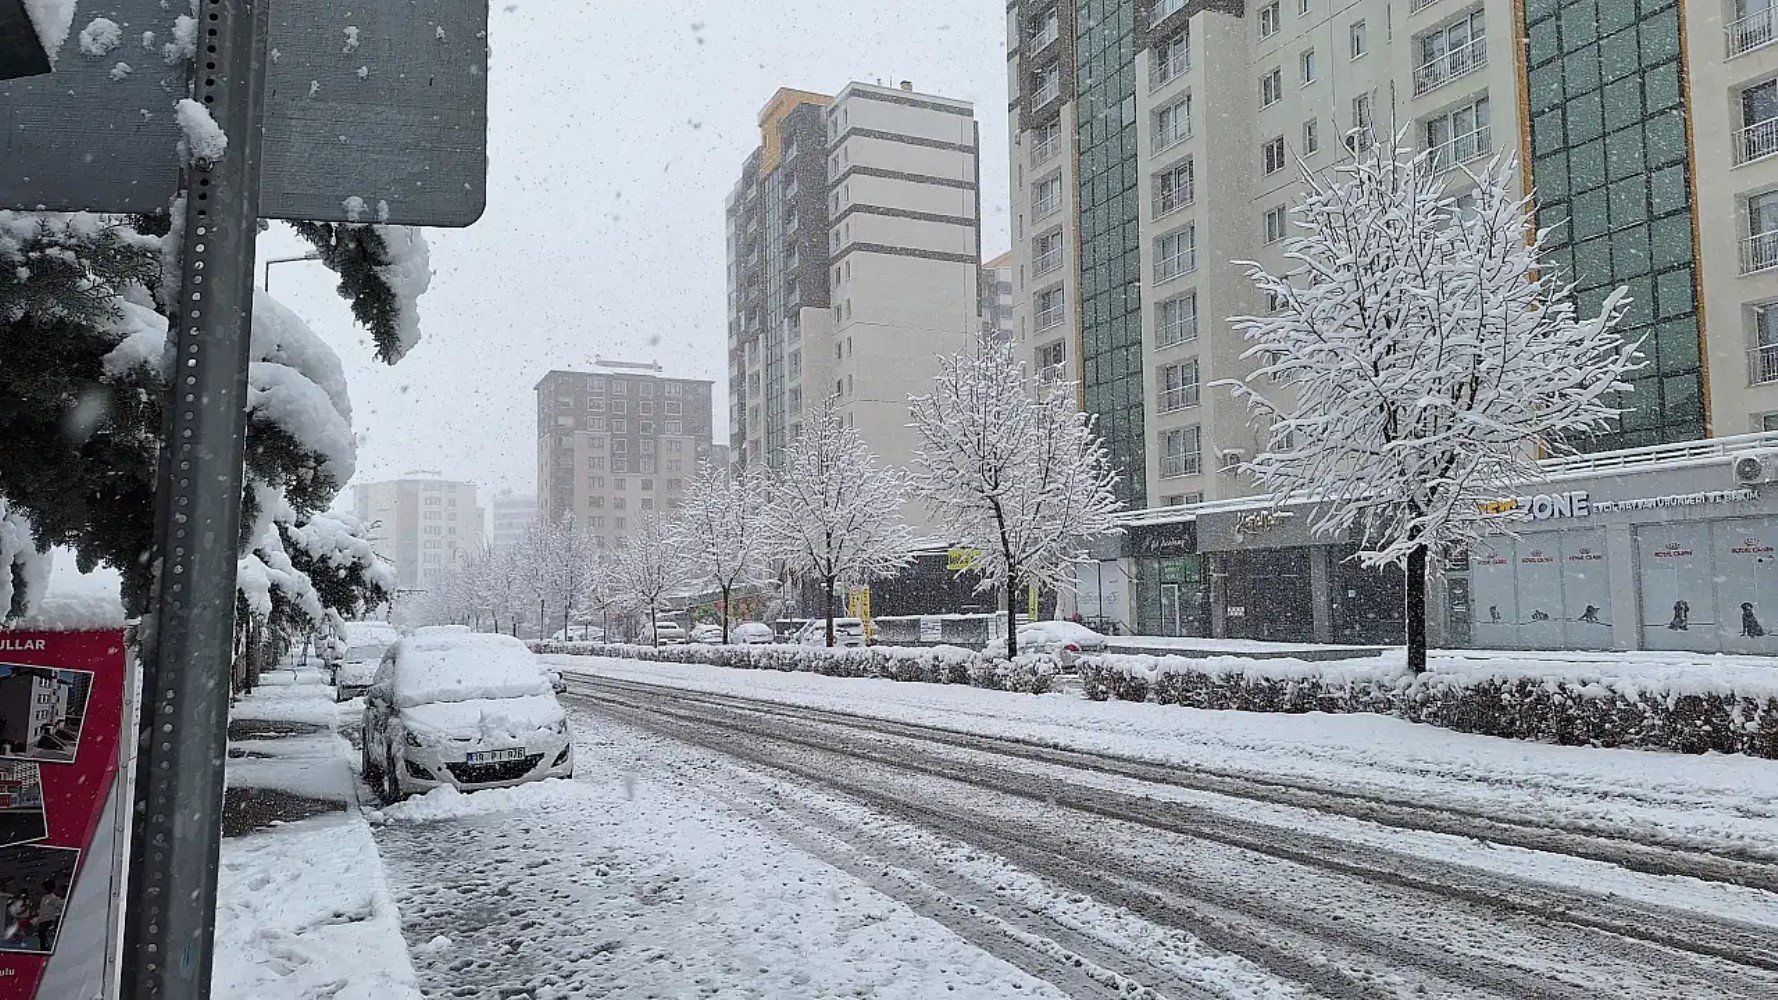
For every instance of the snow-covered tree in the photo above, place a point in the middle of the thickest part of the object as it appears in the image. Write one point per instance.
(1011, 468)
(721, 530)
(645, 567)
(1418, 359)
(833, 516)
(563, 563)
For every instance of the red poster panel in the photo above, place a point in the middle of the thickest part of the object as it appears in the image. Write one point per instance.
(61, 720)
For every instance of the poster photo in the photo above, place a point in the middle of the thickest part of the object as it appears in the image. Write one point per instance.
(35, 882)
(22, 819)
(42, 710)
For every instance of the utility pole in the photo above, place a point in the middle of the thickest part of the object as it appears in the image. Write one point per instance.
(170, 914)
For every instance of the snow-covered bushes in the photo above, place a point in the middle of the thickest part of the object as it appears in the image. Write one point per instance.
(1027, 674)
(1656, 707)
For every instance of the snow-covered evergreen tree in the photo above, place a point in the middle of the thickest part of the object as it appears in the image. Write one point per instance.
(834, 516)
(645, 567)
(1010, 467)
(721, 530)
(1418, 360)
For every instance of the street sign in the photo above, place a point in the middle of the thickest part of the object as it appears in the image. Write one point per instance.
(959, 559)
(61, 731)
(371, 114)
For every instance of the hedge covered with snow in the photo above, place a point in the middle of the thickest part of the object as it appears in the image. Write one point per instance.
(937, 665)
(1689, 710)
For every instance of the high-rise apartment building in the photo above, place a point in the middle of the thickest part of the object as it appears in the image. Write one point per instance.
(996, 298)
(422, 523)
(513, 514)
(1156, 141)
(617, 444)
(853, 251)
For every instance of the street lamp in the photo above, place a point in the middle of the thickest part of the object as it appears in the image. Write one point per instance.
(311, 255)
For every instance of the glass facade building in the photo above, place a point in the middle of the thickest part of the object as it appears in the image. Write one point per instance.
(1609, 158)
(1110, 219)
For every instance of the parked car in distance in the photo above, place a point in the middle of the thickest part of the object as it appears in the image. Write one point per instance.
(355, 653)
(1066, 641)
(468, 710)
(846, 632)
(669, 633)
(707, 635)
(752, 634)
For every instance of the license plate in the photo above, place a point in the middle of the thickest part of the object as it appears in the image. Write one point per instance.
(493, 756)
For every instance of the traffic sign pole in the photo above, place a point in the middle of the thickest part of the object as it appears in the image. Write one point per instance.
(170, 911)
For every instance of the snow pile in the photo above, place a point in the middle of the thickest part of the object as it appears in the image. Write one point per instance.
(408, 274)
(932, 665)
(456, 668)
(20, 561)
(283, 397)
(100, 36)
(184, 45)
(203, 141)
(143, 344)
(1643, 702)
(445, 802)
(53, 19)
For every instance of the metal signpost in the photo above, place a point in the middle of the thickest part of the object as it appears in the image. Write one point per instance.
(334, 112)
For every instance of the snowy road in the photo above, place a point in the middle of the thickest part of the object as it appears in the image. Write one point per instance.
(722, 845)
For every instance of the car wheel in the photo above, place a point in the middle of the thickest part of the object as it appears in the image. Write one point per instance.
(391, 783)
(367, 768)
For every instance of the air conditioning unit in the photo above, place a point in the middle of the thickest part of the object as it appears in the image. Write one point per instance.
(1756, 467)
(1229, 462)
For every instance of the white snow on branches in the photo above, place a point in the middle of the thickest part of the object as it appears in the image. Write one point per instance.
(342, 541)
(647, 566)
(283, 397)
(52, 19)
(100, 36)
(19, 556)
(280, 336)
(1420, 358)
(721, 530)
(1010, 467)
(143, 344)
(834, 516)
(408, 274)
(203, 141)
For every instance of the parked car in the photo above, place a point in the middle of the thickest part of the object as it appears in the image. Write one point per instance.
(468, 710)
(846, 632)
(354, 656)
(1066, 641)
(707, 635)
(431, 630)
(752, 634)
(669, 633)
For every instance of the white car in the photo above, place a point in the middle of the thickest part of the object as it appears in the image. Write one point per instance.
(752, 634)
(669, 633)
(469, 710)
(1066, 641)
(846, 632)
(365, 643)
(707, 635)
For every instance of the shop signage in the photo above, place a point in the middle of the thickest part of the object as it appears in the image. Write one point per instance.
(1751, 547)
(1260, 521)
(958, 560)
(61, 723)
(1675, 500)
(1165, 539)
(1540, 506)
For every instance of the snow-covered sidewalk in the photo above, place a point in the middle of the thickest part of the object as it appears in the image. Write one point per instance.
(1708, 801)
(303, 907)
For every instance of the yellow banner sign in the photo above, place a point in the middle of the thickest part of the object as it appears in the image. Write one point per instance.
(958, 560)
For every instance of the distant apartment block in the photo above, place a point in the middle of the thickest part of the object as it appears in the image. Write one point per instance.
(512, 514)
(996, 298)
(422, 523)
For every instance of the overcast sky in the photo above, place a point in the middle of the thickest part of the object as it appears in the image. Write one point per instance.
(616, 129)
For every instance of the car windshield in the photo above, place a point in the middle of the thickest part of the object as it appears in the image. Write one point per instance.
(974, 565)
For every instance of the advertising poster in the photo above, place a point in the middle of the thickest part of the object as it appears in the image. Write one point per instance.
(1678, 602)
(1496, 614)
(61, 718)
(1747, 583)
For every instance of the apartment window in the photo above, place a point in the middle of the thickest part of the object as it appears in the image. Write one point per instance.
(1272, 155)
(647, 503)
(1759, 122)
(1181, 454)
(1311, 137)
(1173, 188)
(596, 404)
(673, 389)
(598, 482)
(675, 446)
(1454, 50)
(1359, 38)
(618, 523)
(1045, 140)
(1759, 252)
(1049, 308)
(1176, 253)
(673, 407)
(597, 503)
(619, 425)
(620, 406)
(620, 483)
(1172, 58)
(1046, 85)
(675, 485)
(1046, 197)
(1362, 134)
(794, 364)
(1052, 355)
(646, 407)
(1176, 320)
(435, 501)
(596, 424)
(621, 388)
(1046, 252)
(647, 447)
(1275, 224)
(647, 463)
(619, 446)
(1459, 135)
(595, 383)
(1305, 64)
(1045, 31)
(648, 427)
(675, 427)
(1173, 124)
(1271, 87)
(1763, 363)
(1270, 19)
(596, 444)
(1164, 9)
(1178, 384)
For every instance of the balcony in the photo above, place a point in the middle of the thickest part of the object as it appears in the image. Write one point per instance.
(1043, 38)
(1046, 147)
(1180, 398)
(1756, 141)
(1416, 6)
(1175, 466)
(1755, 31)
(1762, 365)
(1462, 149)
(1047, 261)
(1046, 91)
(1460, 61)
(1759, 252)
(1173, 65)
(1172, 199)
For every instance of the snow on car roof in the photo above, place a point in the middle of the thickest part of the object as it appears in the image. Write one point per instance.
(368, 633)
(461, 667)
